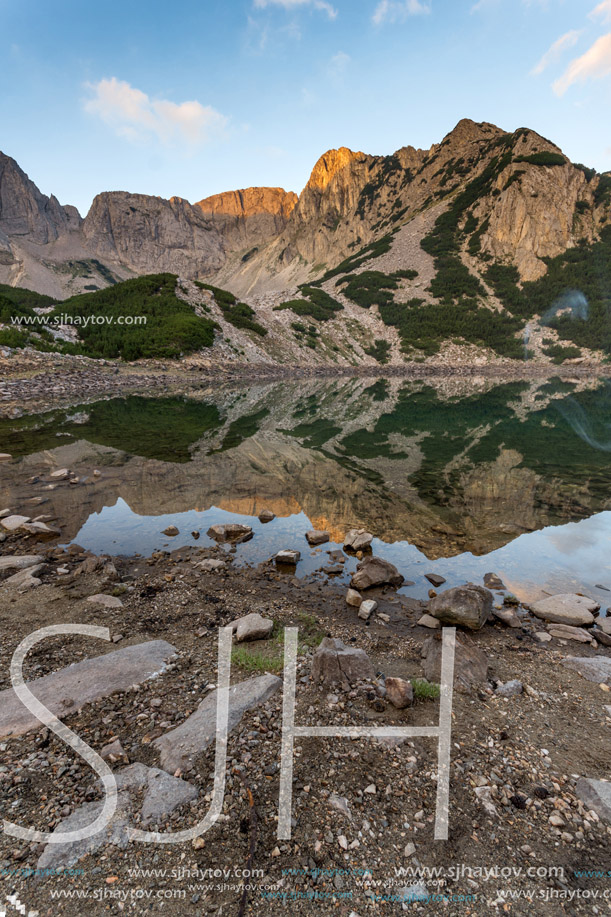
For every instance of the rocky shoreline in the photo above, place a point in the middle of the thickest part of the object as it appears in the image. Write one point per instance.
(31, 381)
(529, 745)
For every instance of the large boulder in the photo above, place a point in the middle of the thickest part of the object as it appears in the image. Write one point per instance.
(470, 664)
(358, 540)
(575, 610)
(179, 747)
(336, 663)
(373, 571)
(463, 606)
(234, 532)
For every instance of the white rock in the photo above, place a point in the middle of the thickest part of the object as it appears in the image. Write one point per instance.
(12, 523)
(354, 598)
(60, 473)
(358, 539)
(106, 601)
(288, 557)
(252, 627)
(429, 621)
(367, 609)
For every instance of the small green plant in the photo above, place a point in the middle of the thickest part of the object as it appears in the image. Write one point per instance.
(424, 690)
(380, 350)
(543, 158)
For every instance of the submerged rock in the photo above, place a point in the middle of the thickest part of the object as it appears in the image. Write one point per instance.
(231, 531)
(315, 537)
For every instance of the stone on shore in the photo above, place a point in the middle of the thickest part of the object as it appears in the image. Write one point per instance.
(162, 795)
(595, 668)
(509, 688)
(69, 689)
(507, 616)
(353, 598)
(5, 456)
(13, 523)
(179, 747)
(604, 623)
(373, 571)
(13, 563)
(25, 579)
(366, 609)
(358, 540)
(106, 601)
(252, 627)
(596, 796)
(602, 636)
(463, 606)
(210, 565)
(575, 610)
(399, 692)
(288, 558)
(336, 663)
(470, 664)
(566, 632)
(315, 537)
(430, 622)
(234, 532)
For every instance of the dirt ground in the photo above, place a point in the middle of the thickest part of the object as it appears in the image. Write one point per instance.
(352, 857)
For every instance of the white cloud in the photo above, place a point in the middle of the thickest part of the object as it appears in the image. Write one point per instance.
(292, 4)
(554, 52)
(133, 114)
(603, 9)
(399, 10)
(593, 65)
(338, 64)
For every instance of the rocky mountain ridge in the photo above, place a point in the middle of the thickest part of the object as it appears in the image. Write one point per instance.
(260, 239)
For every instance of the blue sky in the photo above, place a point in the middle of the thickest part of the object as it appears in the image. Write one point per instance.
(199, 96)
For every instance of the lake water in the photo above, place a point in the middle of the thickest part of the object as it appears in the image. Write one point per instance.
(456, 477)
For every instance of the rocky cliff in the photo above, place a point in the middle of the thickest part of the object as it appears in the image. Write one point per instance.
(521, 202)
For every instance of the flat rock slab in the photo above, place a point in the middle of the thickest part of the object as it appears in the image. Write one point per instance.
(179, 747)
(507, 616)
(232, 531)
(596, 795)
(162, 795)
(12, 523)
(492, 581)
(106, 601)
(575, 610)
(67, 690)
(288, 558)
(596, 668)
(211, 565)
(434, 579)
(13, 563)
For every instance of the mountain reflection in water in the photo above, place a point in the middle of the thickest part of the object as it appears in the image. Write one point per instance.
(474, 475)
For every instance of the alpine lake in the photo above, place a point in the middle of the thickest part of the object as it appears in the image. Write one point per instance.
(457, 477)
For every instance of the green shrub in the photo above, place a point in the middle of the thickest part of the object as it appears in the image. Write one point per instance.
(171, 328)
(544, 158)
(380, 350)
(559, 354)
